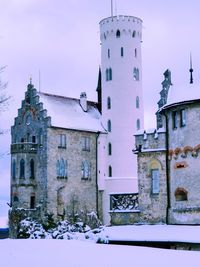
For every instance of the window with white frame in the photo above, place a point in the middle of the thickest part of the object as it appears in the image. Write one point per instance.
(86, 143)
(62, 141)
(61, 168)
(86, 170)
(182, 117)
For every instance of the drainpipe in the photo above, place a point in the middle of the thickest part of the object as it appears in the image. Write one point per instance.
(97, 190)
(167, 170)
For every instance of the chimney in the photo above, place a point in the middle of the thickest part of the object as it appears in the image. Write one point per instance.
(83, 101)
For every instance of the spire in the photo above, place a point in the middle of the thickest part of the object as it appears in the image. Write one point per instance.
(99, 89)
(191, 70)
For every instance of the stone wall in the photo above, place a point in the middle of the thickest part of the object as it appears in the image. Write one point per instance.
(71, 194)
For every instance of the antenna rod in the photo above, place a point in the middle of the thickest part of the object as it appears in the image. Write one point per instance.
(111, 8)
(191, 70)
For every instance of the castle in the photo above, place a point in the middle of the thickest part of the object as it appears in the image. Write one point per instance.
(74, 156)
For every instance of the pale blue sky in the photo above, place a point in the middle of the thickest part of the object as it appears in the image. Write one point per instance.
(61, 39)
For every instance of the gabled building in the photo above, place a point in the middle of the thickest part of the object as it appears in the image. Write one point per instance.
(168, 159)
(54, 155)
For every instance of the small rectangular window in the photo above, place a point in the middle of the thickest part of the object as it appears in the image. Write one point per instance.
(62, 141)
(183, 117)
(175, 119)
(86, 143)
(155, 178)
(32, 202)
(122, 51)
(108, 53)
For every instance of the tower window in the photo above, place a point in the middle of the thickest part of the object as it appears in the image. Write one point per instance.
(135, 52)
(109, 171)
(136, 74)
(14, 169)
(155, 180)
(22, 168)
(109, 149)
(108, 74)
(174, 119)
(137, 102)
(109, 103)
(183, 117)
(109, 125)
(134, 33)
(122, 51)
(118, 33)
(108, 53)
(138, 124)
(33, 139)
(32, 169)
(15, 198)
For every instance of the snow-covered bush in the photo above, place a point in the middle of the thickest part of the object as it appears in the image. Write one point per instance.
(29, 228)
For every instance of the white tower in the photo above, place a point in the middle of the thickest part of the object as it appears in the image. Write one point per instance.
(122, 99)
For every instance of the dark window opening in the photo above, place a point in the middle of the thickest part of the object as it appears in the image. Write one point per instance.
(174, 119)
(122, 51)
(181, 194)
(118, 33)
(109, 103)
(22, 168)
(109, 149)
(32, 202)
(109, 171)
(33, 139)
(109, 126)
(32, 169)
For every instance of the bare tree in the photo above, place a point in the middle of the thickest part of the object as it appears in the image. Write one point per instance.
(4, 99)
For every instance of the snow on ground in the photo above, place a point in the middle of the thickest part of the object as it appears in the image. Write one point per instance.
(71, 253)
(179, 233)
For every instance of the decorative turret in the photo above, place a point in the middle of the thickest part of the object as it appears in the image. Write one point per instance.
(163, 96)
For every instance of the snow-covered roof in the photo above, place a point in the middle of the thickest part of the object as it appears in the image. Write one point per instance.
(178, 94)
(67, 113)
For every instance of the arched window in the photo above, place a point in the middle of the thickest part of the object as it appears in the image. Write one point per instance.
(118, 33)
(22, 168)
(109, 125)
(137, 102)
(85, 168)
(32, 169)
(15, 198)
(181, 194)
(136, 74)
(134, 33)
(109, 149)
(138, 124)
(155, 180)
(108, 53)
(135, 52)
(61, 168)
(109, 171)
(110, 74)
(108, 103)
(107, 75)
(122, 51)
(14, 169)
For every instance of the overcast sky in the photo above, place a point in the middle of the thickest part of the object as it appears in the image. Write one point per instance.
(60, 38)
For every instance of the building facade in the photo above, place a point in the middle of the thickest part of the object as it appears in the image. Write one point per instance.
(168, 159)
